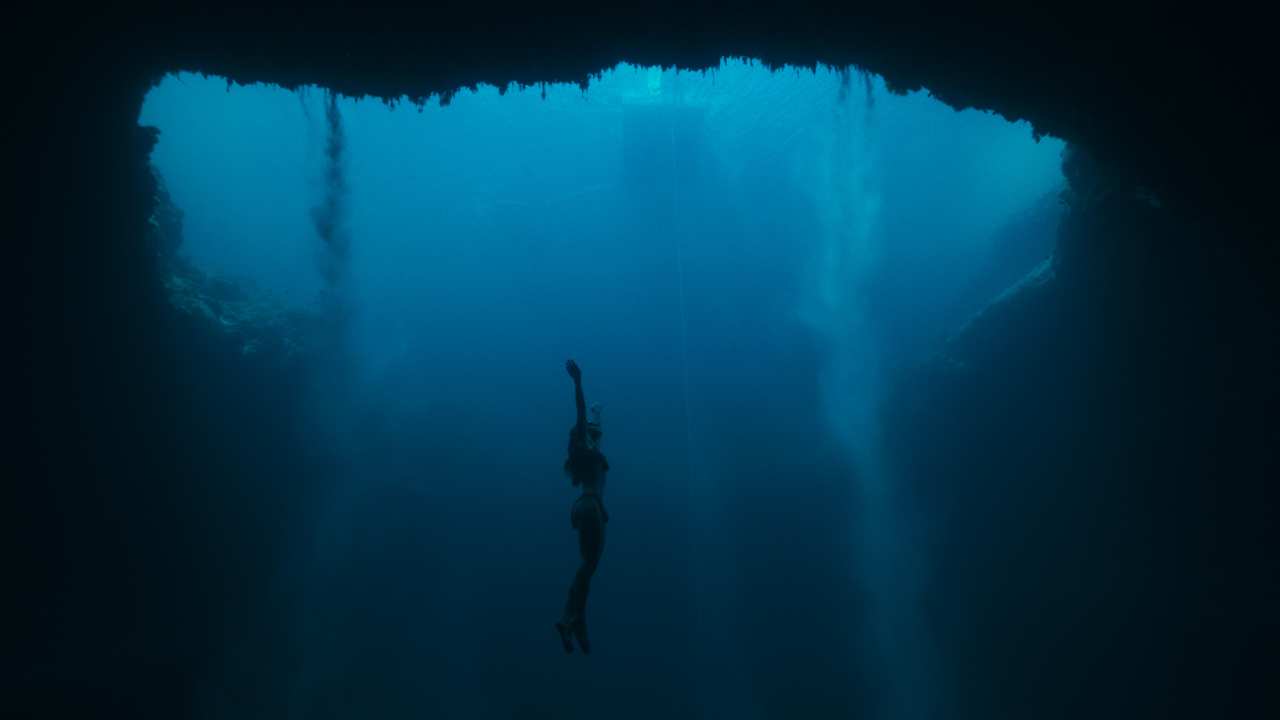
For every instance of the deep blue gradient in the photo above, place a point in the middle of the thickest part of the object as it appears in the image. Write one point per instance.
(739, 260)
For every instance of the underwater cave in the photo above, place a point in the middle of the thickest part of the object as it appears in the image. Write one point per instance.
(936, 358)
(741, 259)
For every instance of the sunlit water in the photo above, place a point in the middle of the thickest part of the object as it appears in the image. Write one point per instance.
(739, 260)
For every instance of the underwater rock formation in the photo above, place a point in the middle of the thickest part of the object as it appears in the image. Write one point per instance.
(252, 324)
(1087, 407)
(218, 311)
(329, 217)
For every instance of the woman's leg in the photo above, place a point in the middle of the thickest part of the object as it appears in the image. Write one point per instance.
(590, 522)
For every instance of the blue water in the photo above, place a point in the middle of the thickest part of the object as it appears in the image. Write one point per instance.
(741, 261)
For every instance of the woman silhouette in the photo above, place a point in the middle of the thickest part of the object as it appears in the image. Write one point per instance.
(587, 466)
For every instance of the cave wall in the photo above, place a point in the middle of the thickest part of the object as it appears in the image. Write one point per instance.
(1097, 475)
(1140, 586)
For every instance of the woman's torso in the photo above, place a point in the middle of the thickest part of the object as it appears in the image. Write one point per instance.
(588, 468)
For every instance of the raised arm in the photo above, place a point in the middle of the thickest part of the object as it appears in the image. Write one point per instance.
(579, 430)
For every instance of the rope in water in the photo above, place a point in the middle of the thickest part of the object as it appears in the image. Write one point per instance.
(684, 317)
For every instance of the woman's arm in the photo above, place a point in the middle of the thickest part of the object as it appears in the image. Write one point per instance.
(579, 430)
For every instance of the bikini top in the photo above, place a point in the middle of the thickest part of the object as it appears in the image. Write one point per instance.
(586, 465)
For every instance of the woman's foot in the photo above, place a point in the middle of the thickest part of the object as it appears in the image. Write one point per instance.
(565, 638)
(580, 632)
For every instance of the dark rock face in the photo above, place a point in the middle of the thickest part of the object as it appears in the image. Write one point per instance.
(1112, 420)
(222, 316)
(1098, 473)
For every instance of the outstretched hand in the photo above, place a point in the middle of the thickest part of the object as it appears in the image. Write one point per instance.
(574, 371)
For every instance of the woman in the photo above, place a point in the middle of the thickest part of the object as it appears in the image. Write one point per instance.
(587, 466)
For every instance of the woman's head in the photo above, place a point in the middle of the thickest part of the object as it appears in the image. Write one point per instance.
(595, 430)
